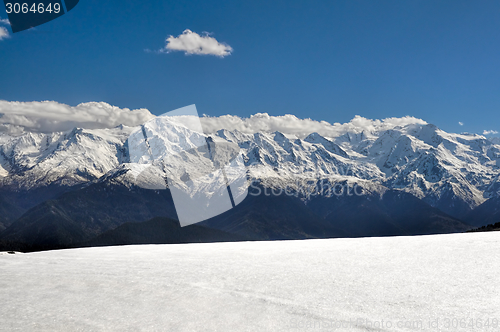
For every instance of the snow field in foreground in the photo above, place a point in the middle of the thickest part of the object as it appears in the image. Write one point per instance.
(433, 283)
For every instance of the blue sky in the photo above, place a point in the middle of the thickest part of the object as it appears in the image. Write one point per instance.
(325, 60)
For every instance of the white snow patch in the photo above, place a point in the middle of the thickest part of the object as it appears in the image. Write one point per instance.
(256, 286)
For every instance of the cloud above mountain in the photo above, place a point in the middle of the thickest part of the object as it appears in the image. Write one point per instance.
(51, 116)
(192, 43)
(300, 128)
(3, 33)
(490, 132)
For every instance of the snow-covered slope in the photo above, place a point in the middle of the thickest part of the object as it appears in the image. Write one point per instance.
(454, 172)
(68, 158)
(424, 283)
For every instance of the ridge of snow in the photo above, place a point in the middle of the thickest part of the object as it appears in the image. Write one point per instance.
(406, 153)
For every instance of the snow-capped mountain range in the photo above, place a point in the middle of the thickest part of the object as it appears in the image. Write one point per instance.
(453, 172)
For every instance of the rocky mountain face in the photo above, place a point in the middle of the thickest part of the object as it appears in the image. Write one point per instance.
(413, 179)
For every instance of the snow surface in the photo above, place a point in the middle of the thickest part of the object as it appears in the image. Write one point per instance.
(310, 285)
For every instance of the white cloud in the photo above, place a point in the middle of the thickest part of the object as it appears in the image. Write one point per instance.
(460, 123)
(50, 116)
(4, 33)
(192, 43)
(300, 128)
(4, 21)
(490, 132)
